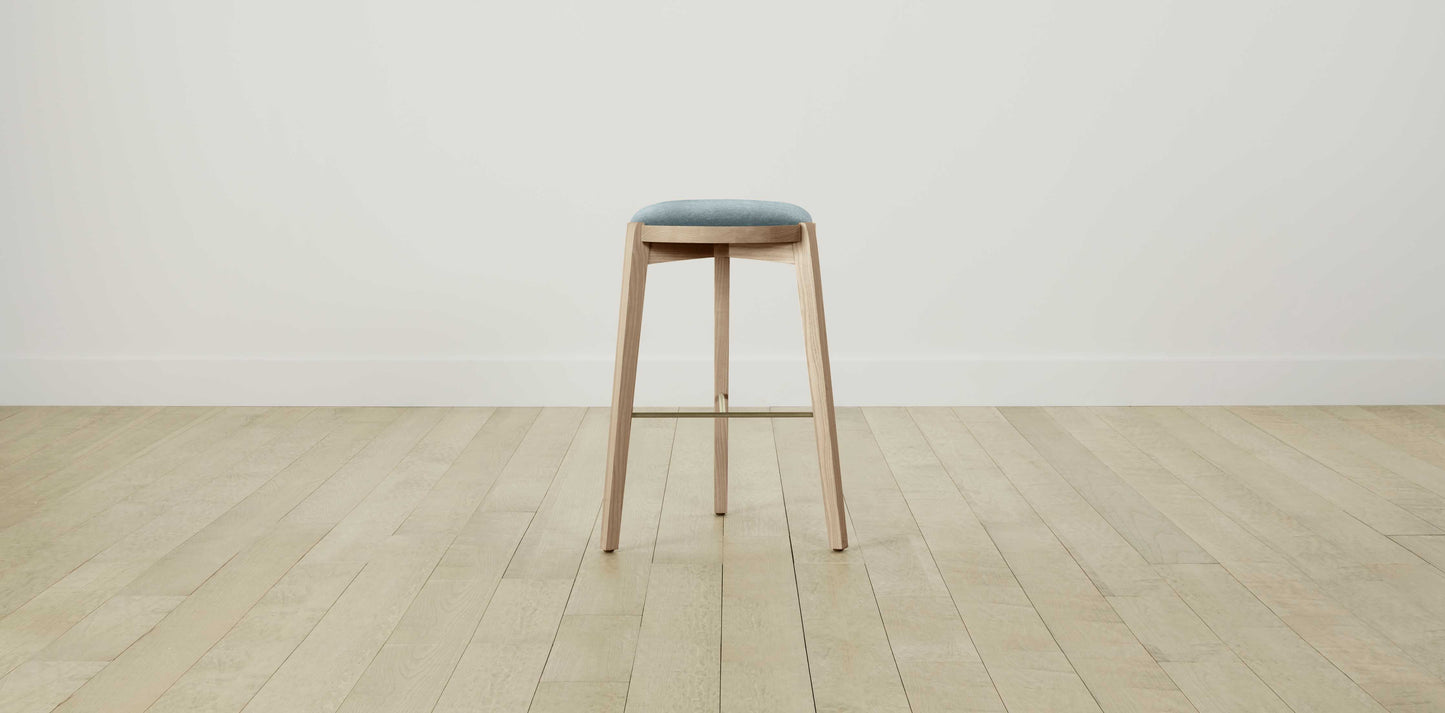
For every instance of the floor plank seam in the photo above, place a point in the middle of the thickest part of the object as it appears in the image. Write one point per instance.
(1009, 565)
(793, 563)
(299, 640)
(934, 559)
(1372, 626)
(1246, 527)
(652, 563)
(532, 520)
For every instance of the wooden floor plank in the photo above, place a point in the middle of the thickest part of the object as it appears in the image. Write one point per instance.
(40, 686)
(1218, 533)
(1370, 659)
(124, 445)
(504, 660)
(110, 629)
(33, 429)
(1119, 559)
(1294, 519)
(1157, 539)
(113, 441)
(231, 672)
(136, 678)
(528, 475)
(1296, 671)
(1241, 448)
(1067, 589)
(1421, 585)
(1204, 668)
(556, 540)
(1424, 420)
(1324, 447)
(320, 673)
(615, 583)
(1192, 656)
(579, 697)
(47, 616)
(362, 523)
(20, 420)
(912, 596)
(190, 571)
(471, 475)
(678, 660)
(417, 659)
(910, 592)
(232, 432)
(61, 538)
(1396, 435)
(332, 475)
(412, 669)
(1195, 662)
(1015, 645)
(1430, 548)
(764, 660)
(803, 495)
(688, 531)
(1342, 555)
(849, 657)
(593, 647)
(326, 666)
(416, 668)
(899, 563)
(1355, 448)
(70, 436)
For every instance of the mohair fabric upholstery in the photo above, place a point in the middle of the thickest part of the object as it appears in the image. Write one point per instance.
(722, 213)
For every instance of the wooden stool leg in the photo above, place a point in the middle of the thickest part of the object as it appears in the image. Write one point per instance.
(624, 383)
(721, 269)
(820, 383)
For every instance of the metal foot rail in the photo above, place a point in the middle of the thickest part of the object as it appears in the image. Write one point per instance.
(722, 414)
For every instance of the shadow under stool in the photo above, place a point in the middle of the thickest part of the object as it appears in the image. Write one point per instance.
(721, 230)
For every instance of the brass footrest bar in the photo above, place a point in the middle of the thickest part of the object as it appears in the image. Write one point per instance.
(722, 414)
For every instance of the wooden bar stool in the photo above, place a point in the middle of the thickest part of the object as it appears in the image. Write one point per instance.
(721, 229)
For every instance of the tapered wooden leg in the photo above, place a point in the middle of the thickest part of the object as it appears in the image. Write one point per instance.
(624, 382)
(721, 269)
(820, 383)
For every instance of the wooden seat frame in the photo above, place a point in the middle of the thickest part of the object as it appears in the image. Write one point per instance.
(650, 244)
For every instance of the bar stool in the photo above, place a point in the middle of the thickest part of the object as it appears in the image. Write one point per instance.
(722, 230)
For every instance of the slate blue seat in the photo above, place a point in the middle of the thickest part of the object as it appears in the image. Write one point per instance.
(722, 213)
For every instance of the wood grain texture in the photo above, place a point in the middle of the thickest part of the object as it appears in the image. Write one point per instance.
(1060, 559)
(719, 235)
(849, 656)
(764, 658)
(820, 383)
(624, 383)
(675, 252)
(1027, 666)
(766, 252)
(722, 272)
(678, 660)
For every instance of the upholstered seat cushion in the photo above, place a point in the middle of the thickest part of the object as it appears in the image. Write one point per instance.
(723, 212)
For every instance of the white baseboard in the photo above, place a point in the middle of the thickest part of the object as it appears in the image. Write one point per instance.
(687, 382)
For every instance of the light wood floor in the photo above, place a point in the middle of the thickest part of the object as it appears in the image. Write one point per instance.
(1020, 559)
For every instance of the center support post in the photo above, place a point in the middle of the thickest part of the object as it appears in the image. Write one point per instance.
(720, 287)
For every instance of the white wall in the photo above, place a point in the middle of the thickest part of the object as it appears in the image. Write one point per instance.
(424, 202)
